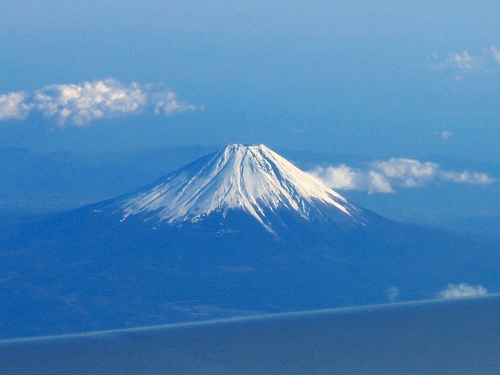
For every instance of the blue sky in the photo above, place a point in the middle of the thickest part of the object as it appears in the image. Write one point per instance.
(378, 79)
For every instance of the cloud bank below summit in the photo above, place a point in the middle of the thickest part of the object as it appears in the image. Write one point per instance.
(462, 290)
(386, 176)
(79, 104)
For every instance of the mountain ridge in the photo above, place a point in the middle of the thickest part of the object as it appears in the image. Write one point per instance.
(251, 178)
(88, 269)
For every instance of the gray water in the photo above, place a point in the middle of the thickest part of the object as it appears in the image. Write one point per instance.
(452, 337)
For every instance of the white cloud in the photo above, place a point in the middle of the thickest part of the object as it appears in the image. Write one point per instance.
(168, 103)
(446, 135)
(484, 61)
(377, 183)
(407, 172)
(392, 293)
(495, 53)
(467, 177)
(340, 177)
(464, 60)
(343, 177)
(386, 176)
(13, 106)
(462, 290)
(79, 104)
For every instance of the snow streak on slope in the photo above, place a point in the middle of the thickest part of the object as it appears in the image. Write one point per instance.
(251, 178)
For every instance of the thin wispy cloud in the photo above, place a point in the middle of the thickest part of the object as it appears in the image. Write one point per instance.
(446, 135)
(393, 293)
(462, 290)
(487, 60)
(80, 104)
(466, 177)
(495, 53)
(387, 176)
(464, 61)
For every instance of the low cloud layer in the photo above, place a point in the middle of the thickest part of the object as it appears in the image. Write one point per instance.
(462, 290)
(387, 176)
(80, 104)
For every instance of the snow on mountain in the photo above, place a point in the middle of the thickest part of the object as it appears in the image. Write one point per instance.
(266, 237)
(239, 177)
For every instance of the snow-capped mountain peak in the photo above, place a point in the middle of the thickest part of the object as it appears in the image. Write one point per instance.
(250, 178)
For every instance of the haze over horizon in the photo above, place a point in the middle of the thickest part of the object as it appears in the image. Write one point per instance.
(404, 93)
(379, 182)
(392, 79)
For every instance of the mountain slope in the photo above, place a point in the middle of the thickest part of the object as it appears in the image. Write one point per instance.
(238, 232)
(253, 179)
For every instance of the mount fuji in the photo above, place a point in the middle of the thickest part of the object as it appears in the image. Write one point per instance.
(238, 232)
(250, 179)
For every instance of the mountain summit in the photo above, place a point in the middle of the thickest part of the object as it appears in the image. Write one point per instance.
(253, 179)
(238, 232)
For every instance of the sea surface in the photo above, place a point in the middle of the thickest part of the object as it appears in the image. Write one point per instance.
(456, 337)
